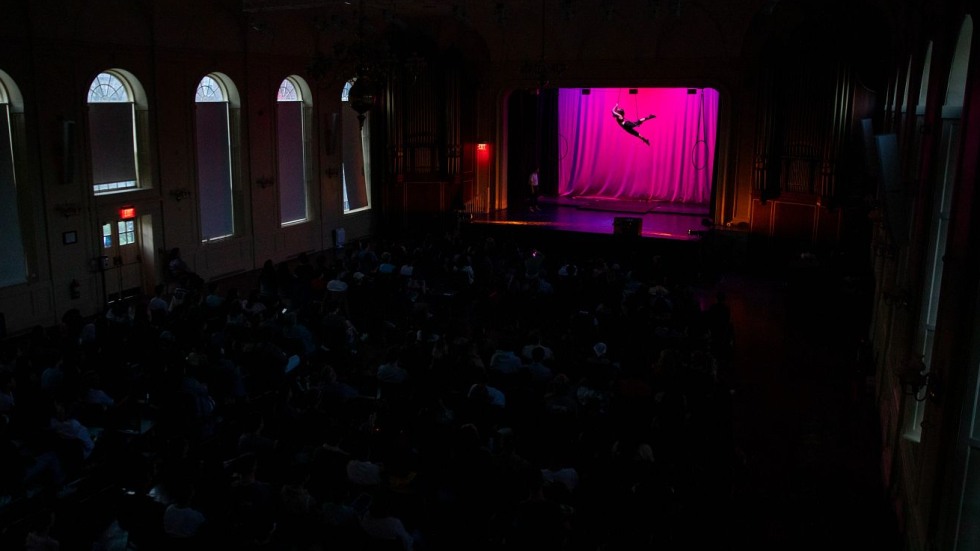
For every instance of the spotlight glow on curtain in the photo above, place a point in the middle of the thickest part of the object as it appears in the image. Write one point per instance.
(599, 159)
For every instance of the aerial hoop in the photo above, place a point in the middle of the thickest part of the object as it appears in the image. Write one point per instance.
(699, 151)
(562, 147)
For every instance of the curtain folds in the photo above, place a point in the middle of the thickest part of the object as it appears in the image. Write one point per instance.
(599, 159)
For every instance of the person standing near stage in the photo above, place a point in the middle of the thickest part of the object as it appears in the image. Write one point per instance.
(533, 185)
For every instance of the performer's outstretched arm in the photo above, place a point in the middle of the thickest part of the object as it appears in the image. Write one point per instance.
(618, 114)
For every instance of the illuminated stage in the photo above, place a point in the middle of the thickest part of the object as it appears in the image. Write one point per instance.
(658, 220)
(618, 161)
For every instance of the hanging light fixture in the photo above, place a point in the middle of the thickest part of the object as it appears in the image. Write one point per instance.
(541, 70)
(914, 378)
(363, 94)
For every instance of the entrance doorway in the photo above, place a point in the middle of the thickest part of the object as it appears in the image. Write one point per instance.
(127, 244)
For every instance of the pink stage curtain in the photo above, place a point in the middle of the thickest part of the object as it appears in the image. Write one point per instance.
(598, 159)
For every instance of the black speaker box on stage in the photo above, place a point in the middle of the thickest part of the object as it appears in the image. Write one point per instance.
(624, 225)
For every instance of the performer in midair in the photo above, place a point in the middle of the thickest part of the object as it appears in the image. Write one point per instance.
(630, 126)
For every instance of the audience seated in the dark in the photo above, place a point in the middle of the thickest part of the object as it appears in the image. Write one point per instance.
(512, 411)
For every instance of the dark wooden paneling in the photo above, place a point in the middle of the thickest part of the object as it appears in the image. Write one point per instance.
(424, 197)
(798, 220)
(761, 218)
(792, 221)
(828, 226)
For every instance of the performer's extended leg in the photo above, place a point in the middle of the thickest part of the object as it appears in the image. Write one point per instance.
(637, 134)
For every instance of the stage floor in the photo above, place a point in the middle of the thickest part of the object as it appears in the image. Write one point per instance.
(659, 220)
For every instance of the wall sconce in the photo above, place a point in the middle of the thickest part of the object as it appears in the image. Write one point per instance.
(180, 194)
(68, 209)
(913, 385)
(920, 383)
(264, 182)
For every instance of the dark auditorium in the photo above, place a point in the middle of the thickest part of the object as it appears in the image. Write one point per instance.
(489, 275)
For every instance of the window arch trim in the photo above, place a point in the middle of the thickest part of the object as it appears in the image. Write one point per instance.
(956, 83)
(294, 88)
(109, 88)
(227, 86)
(210, 90)
(137, 95)
(10, 93)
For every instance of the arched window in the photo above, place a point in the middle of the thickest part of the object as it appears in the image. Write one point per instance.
(13, 269)
(915, 409)
(945, 177)
(356, 168)
(967, 535)
(292, 148)
(114, 99)
(216, 109)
